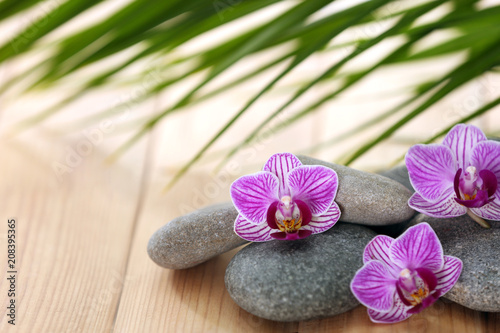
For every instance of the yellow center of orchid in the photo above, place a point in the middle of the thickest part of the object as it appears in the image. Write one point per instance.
(469, 197)
(288, 217)
(419, 294)
(289, 225)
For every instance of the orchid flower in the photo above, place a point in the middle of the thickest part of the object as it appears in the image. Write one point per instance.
(287, 200)
(403, 276)
(459, 176)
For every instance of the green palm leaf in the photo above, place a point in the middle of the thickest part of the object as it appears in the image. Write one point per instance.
(152, 31)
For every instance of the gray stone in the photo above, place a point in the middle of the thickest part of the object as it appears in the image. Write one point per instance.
(368, 198)
(478, 287)
(299, 280)
(399, 174)
(196, 237)
(393, 230)
(364, 198)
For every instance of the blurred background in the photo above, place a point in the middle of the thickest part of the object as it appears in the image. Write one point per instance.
(105, 104)
(209, 82)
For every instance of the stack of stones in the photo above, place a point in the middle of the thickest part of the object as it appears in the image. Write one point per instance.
(310, 278)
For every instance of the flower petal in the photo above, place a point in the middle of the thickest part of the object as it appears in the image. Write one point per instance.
(445, 207)
(253, 194)
(490, 211)
(426, 302)
(480, 200)
(252, 232)
(378, 249)
(271, 215)
(316, 185)
(461, 139)
(374, 286)
(280, 165)
(428, 277)
(325, 221)
(449, 274)
(397, 313)
(281, 235)
(486, 156)
(304, 233)
(490, 181)
(431, 169)
(417, 247)
(304, 211)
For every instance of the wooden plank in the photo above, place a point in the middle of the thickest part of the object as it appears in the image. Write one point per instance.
(82, 255)
(81, 267)
(73, 235)
(195, 300)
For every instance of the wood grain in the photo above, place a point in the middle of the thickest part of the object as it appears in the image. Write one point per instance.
(83, 265)
(73, 236)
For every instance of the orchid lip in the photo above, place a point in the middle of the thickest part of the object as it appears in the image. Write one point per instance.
(289, 216)
(474, 190)
(300, 234)
(414, 287)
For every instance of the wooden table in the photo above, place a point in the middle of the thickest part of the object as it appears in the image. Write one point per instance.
(81, 260)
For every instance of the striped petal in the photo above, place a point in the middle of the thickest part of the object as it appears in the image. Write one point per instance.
(461, 139)
(432, 169)
(280, 165)
(397, 313)
(325, 221)
(253, 194)
(445, 207)
(252, 232)
(316, 185)
(490, 211)
(374, 286)
(417, 247)
(486, 156)
(449, 274)
(378, 249)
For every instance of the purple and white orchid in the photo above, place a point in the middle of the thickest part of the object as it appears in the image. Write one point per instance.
(459, 176)
(287, 200)
(403, 276)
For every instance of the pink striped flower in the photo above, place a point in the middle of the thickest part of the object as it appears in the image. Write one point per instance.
(405, 275)
(459, 176)
(287, 200)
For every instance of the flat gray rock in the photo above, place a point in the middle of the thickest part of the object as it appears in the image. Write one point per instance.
(478, 287)
(363, 198)
(196, 237)
(399, 174)
(299, 280)
(368, 198)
